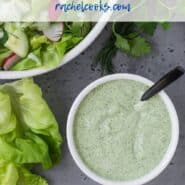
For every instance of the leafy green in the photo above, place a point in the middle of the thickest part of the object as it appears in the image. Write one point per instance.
(29, 132)
(3, 36)
(106, 55)
(79, 29)
(38, 40)
(165, 25)
(130, 38)
(147, 27)
(8, 116)
(139, 47)
(122, 43)
(52, 54)
(46, 54)
(43, 53)
(33, 60)
(8, 173)
(11, 174)
(19, 149)
(27, 178)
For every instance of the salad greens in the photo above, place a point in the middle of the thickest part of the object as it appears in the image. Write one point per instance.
(29, 134)
(129, 38)
(11, 174)
(25, 46)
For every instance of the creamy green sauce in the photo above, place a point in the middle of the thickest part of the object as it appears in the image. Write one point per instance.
(119, 137)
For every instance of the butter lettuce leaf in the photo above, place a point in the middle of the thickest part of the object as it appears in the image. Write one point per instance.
(45, 54)
(27, 178)
(8, 174)
(7, 115)
(19, 150)
(33, 60)
(29, 132)
(38, 40)
(53, 54)
(11, 174)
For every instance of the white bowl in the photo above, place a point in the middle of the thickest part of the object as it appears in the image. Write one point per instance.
(96, 30)
(167, 157)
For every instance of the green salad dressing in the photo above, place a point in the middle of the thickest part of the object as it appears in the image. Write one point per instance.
(119, 137)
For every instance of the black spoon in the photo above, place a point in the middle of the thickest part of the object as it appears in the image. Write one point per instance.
(163, 82)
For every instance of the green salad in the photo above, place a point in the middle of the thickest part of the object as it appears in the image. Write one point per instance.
(26, 46)
(29, 134)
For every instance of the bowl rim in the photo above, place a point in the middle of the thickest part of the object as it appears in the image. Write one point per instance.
(74, 52)
(169, 153)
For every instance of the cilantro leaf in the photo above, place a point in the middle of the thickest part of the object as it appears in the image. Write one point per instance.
(165, 25)
(106, 55)
(132, 44)
(139, 47)
(147, 28)
(122, 43)
(130, 38)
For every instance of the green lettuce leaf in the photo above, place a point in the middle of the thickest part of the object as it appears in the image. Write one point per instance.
(53, 54)
(7, 115)
(47, 55)
(79, 29)
(32, 135)
(43, 52)
(27, 178)
(8, 174)
(18, 151)
(38, 40)
(51, 57)
(69, 41)
(11, 174)
(33, 60)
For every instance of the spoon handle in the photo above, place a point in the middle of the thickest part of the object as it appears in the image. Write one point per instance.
(163, 82)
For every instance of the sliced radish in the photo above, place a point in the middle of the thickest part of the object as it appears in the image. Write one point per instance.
(54, 14)
(10, 61)
(54, 32)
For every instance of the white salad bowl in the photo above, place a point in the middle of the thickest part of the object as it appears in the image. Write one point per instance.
(91, 36)
(168, 155)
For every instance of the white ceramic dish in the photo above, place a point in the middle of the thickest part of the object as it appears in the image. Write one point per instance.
(96, 30)
(170, 151)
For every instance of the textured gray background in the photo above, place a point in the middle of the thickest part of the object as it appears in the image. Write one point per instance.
(60, 87)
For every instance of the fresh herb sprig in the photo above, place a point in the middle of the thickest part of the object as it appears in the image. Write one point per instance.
(106, 55)
(128, 37)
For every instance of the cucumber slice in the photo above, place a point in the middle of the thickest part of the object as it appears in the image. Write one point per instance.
(18, 43)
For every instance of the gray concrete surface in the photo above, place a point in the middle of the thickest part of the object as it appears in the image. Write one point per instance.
(63, 85)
